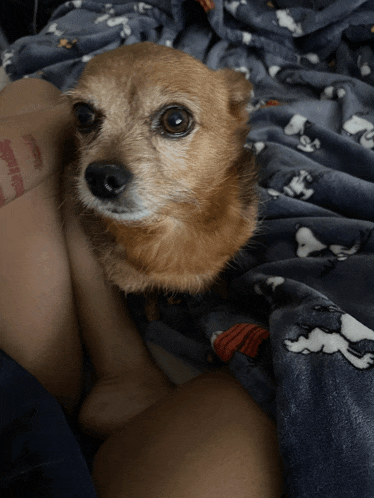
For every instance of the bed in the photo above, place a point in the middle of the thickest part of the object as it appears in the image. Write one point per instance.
(297, 327)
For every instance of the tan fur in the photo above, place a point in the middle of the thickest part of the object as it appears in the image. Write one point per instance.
(192, 203)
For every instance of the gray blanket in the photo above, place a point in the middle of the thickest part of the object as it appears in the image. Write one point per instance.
(298, 327)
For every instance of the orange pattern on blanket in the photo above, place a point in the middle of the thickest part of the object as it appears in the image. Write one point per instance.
(272, 102)
(207, 5)
(243, 337)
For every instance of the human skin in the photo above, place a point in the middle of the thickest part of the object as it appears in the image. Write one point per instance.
(207, 438)
(31, 149)
(38, 323)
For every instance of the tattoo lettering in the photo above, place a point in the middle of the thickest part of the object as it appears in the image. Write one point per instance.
(6, 153)
(35, 151)
(2, 198)
(17, 184)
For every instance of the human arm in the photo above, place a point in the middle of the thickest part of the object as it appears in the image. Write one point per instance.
(32, 144)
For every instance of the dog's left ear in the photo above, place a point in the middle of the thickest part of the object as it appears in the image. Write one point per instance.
(240, 92)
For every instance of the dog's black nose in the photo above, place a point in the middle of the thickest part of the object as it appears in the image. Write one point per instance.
(106, 180)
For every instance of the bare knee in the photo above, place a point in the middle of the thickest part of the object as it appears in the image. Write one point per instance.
(27, 95)
(208, 439)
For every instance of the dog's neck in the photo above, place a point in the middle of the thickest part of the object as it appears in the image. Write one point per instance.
(186, 249)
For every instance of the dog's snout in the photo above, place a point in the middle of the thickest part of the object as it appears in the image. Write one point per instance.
(106, 180)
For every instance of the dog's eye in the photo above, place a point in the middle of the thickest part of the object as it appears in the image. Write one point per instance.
(175, 122)
(86, 117)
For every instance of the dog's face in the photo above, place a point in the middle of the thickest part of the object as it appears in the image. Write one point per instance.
(163, 183)
(157, 130)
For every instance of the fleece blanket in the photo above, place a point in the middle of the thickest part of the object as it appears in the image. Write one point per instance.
(297, 327)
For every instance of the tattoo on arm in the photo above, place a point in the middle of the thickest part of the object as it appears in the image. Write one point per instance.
(7, 155)
(35, 151)
(12, 167)
(2, 198)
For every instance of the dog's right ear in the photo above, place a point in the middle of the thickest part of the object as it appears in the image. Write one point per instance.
(240, 92)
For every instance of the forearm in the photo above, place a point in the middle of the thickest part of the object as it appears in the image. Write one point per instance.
(31, 147)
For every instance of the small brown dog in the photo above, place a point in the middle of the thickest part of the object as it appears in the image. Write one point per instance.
(164, 187)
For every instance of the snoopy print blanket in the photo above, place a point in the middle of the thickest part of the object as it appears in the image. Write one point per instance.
(297, 327)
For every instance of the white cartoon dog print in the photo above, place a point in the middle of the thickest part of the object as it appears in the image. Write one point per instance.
(320, 340)
(357, 124)
(308, 243)
(298, 186)
(285, 20)
(296, 126)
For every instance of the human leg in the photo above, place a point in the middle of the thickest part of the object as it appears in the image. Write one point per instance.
(206, 440)
(38, 322)
(27, 95)
(39, 311)
(128, 380)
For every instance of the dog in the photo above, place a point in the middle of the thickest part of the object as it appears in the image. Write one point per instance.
(163, 185)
